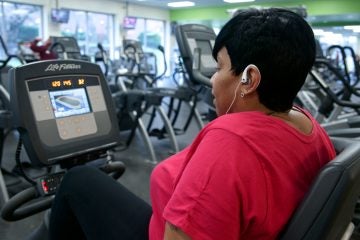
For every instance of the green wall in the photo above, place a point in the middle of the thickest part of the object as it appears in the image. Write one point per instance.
(314, 8)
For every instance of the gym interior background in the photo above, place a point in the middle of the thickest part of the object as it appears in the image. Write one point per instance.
(152, 23)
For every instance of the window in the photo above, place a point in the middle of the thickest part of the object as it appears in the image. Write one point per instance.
(89, 29)
(151, 33)
(20, 22)
(100, 30)
(76, 27)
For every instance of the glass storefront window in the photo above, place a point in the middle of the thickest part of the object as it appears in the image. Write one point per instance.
(151, 34)
(21, 23)
(100, 30)
(76, 27)
(90, 29)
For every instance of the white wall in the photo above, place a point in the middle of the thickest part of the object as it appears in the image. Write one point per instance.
(147, 12)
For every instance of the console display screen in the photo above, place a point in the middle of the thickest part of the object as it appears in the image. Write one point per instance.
(206, 54)
(69, 102)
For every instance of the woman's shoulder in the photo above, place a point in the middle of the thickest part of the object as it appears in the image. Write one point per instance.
(238, 117)
(238, 120)
(236, 124)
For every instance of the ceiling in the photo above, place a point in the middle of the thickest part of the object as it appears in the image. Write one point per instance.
(320, 20)
(214, 3)
(198, 3)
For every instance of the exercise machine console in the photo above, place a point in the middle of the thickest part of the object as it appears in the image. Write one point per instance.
(195, 43)
(67, 48)
(64, 113)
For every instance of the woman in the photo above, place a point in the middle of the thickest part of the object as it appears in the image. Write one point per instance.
(246, 171)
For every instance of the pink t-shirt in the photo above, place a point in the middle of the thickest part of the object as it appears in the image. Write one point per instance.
(241, 178)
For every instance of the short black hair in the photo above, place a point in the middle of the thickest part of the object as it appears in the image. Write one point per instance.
(279, 42)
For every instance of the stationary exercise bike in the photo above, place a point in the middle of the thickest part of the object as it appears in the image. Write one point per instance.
(65, 117)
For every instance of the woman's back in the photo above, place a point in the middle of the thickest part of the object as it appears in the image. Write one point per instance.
(242, 178)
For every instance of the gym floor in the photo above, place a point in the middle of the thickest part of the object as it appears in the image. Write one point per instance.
(135, 178)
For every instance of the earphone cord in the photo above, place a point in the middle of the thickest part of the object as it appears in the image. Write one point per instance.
(233, 98)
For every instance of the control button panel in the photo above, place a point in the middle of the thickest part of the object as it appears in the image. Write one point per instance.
(48, 185)
(76, 126)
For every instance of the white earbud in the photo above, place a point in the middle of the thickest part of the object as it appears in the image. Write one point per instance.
(244, 77)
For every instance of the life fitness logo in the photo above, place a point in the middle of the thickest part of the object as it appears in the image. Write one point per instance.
(60, 67)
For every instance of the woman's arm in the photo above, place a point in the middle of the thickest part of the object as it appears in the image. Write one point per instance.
(174, 233)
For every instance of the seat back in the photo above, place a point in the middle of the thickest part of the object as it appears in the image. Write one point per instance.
(328, 207)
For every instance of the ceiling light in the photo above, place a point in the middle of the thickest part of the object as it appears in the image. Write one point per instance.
(181, 4)
(238, 1)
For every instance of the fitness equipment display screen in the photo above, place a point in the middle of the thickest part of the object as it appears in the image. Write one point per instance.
(69, 102)
(205, 46)
(68, 107)
(206, 54)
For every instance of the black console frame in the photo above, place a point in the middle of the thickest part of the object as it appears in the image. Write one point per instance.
(86, 148)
